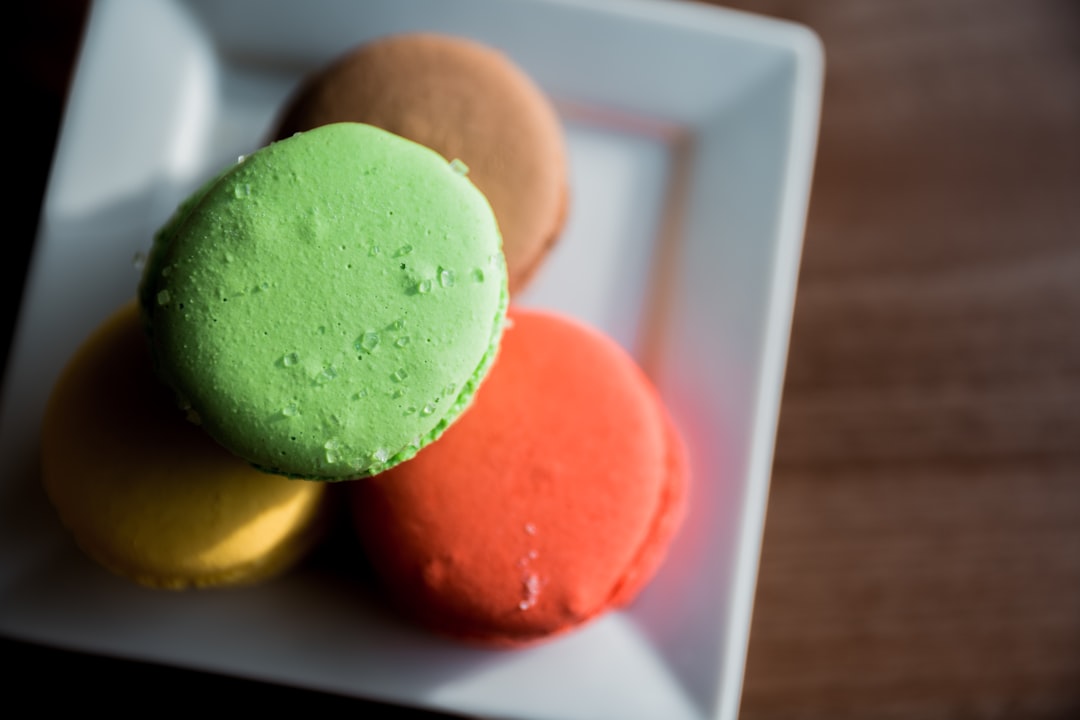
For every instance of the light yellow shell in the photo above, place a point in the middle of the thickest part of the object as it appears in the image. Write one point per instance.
(147, 494)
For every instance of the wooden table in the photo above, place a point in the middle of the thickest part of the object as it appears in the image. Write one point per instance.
(922, 548)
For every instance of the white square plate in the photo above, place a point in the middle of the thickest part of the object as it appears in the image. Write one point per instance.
(692, 133)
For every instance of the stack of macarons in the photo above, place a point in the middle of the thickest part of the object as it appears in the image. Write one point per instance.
(337, 307)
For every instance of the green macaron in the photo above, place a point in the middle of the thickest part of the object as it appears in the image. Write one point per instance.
(329, 305)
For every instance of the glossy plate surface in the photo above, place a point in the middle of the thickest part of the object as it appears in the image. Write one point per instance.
(692, 133)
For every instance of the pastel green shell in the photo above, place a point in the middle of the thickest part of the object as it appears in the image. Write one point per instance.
(329, 305)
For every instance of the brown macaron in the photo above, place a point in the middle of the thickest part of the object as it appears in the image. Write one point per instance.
(468, 102)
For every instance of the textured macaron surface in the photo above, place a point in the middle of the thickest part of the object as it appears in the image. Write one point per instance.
(553, 499)
(147, 494)
(327, 306)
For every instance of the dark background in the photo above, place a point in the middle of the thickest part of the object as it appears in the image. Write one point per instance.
(922, 546)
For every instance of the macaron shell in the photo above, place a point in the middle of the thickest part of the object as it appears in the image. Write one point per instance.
(329, 304)
(667, 521)
(551, 500)
(467, 102)
(148, 495)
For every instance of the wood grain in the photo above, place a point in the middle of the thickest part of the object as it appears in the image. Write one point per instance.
(922, 547)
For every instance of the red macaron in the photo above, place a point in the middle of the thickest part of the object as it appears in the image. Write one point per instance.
(553, 498)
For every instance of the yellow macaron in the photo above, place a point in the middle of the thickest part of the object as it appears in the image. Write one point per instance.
(150, 496)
